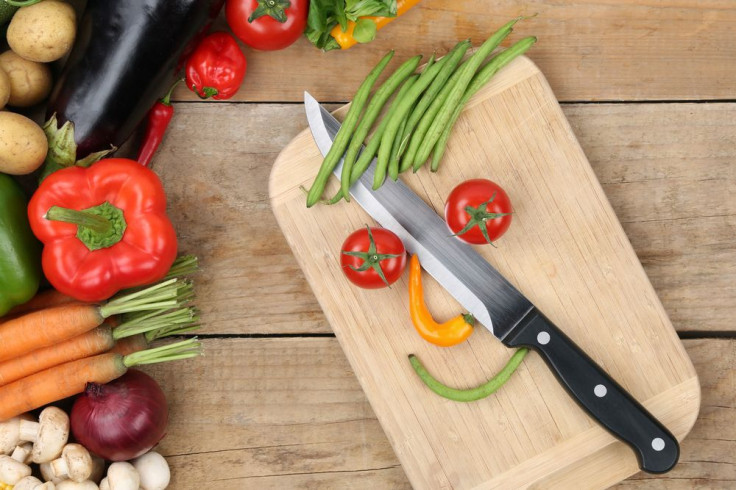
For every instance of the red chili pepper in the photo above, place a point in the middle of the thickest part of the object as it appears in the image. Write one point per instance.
(216, 67)
(104, 228)
(159, 118)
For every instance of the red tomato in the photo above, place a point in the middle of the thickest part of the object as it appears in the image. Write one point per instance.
(369, 253)
(478, 211)
(275, 25)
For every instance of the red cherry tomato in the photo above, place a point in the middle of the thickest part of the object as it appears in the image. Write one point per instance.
(370, 253)
(267, 24)
(478, 211)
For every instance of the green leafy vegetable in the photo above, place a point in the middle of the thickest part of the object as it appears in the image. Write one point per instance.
(365, 31)
(324, 15)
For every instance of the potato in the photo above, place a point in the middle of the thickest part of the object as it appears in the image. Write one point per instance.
(30, 82)
(23, 144)
(4, 88)
(43, 32)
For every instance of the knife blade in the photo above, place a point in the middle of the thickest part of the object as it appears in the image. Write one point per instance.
(500, 307)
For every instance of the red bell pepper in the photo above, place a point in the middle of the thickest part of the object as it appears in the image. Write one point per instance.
(216, 67)
(104, 228)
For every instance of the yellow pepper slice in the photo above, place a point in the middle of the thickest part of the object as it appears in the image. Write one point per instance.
(447, 334)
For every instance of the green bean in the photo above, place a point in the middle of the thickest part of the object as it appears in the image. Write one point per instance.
(453, 58)
(384, 149)
(472, 394)
(481, 78)
(429, 72)
(343, 135)
(366, 156)
(426, 121)
(458, 89)
(393, 159)
(371, 113)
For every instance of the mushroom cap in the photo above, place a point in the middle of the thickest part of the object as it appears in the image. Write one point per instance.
(53, 433)
(78, 462)
(12, 471)
(73, 485)
(123, 476)
(104, 485)
(153, 470)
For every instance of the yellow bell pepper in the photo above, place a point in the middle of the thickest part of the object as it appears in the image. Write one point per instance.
(346, 40)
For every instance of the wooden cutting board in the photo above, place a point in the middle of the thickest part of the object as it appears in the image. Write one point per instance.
(565, 250)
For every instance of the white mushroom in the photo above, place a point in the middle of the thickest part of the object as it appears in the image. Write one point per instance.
(48, 435)
(12, 471)
(123, 476)
(73, 485)
(48, 475)
(98, 468)
(33, 483)
(153, 470)
(104, 485)
(10, 433)
(22, 452)
(75, 463)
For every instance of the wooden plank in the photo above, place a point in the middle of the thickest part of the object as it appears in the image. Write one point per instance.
(566, 252)
(216, 159)
(289, 413)
(588, 49)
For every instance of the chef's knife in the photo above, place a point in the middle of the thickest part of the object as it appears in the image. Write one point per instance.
(500, 307)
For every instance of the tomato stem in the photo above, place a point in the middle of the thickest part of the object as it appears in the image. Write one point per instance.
(272, 8)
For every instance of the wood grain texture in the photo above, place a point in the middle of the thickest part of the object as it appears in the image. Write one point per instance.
(667, 170)
(295, 417)
(588, 49)
(565, 251)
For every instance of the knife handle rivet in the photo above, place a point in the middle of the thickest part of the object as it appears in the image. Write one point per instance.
(657, 444)
(543, 338)
(600, 391)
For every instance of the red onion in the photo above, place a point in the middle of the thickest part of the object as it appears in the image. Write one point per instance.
(123, 419)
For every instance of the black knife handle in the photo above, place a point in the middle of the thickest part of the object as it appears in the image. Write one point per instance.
(603, 398)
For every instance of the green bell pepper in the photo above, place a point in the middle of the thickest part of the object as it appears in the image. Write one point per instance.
(20, 252)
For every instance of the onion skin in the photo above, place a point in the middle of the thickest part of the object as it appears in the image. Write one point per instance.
(123, 419)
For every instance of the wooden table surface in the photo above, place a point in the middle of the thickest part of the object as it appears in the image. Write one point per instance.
(649, 89)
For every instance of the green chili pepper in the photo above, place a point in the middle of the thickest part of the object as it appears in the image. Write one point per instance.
(471, 394)
(345, 132)
(20, 267)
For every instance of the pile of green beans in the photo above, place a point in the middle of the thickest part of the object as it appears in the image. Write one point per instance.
(419, 119)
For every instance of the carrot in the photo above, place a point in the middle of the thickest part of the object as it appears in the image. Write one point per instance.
(96, 341)
(69, 379)
(44, 299)
(87, 344)
(43, 328)
(128, 345)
